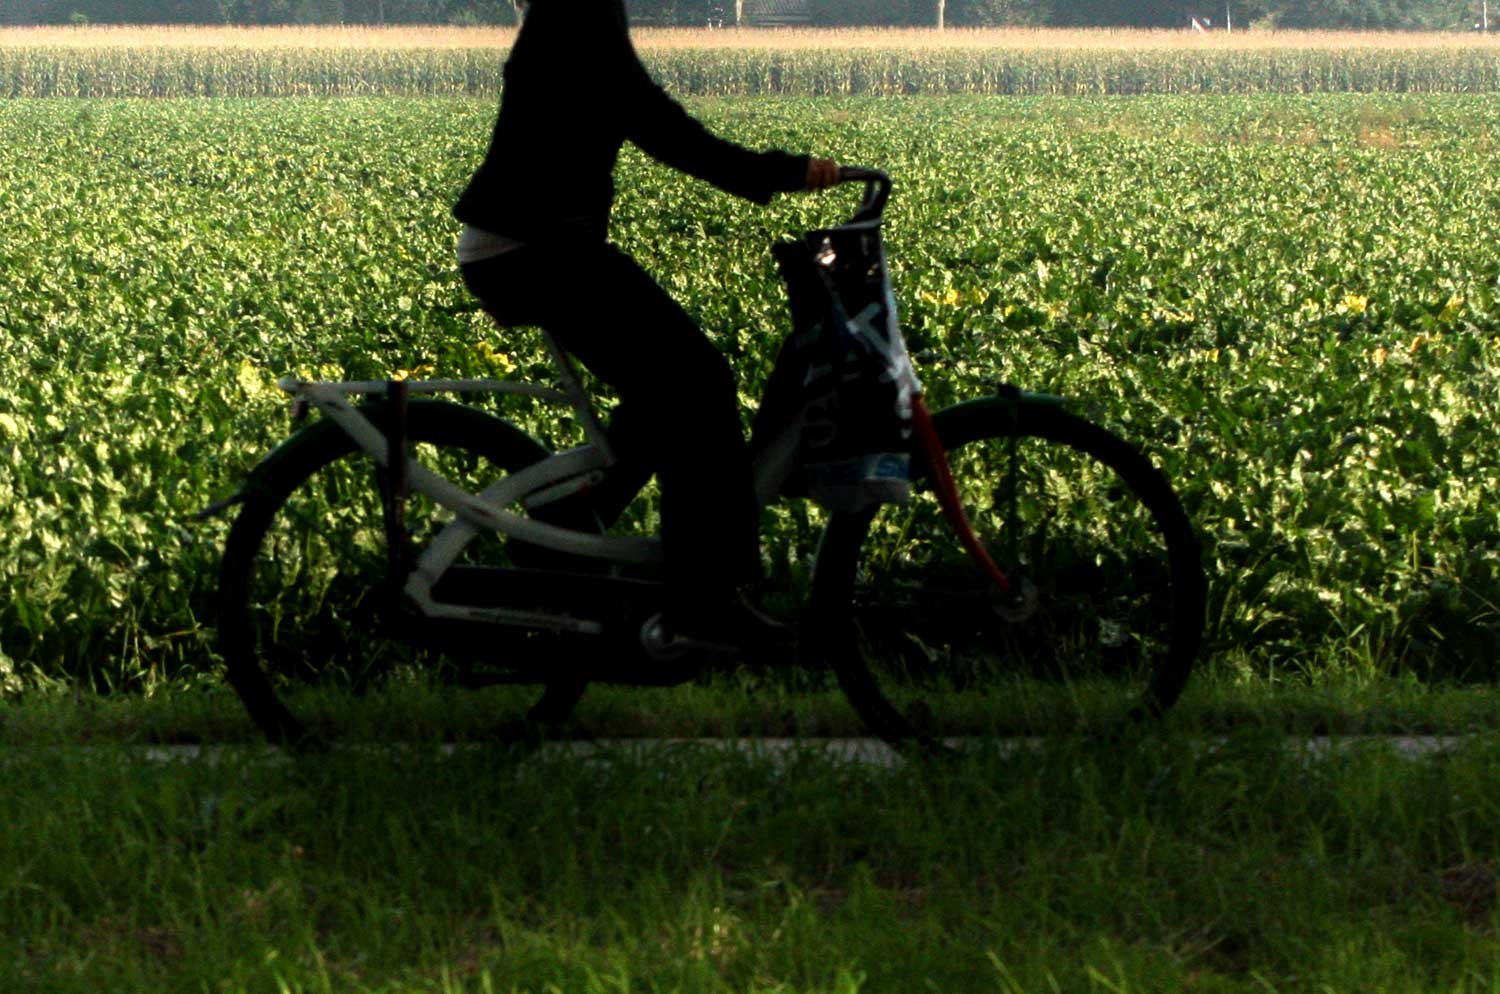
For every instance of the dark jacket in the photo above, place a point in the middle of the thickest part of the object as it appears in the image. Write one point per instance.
(574, 92)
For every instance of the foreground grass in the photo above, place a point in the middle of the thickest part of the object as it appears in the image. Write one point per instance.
(1148, 865)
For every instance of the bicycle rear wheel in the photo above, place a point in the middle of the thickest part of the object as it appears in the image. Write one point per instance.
(305, 596)
(1106, 616)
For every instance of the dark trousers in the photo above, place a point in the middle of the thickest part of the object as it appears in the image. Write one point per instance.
(678, 411)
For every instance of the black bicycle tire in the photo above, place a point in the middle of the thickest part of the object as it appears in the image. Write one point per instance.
(313, 448)
(831, 612)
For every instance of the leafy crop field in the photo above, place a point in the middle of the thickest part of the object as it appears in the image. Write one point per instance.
(1290, 302)
(167, 62)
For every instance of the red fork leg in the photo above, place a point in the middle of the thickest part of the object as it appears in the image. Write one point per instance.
(942, 481)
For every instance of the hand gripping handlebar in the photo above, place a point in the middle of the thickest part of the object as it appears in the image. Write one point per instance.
(877, 191)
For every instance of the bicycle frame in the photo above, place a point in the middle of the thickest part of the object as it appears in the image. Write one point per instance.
(559, 475)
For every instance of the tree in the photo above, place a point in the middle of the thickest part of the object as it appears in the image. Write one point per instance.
(684, 13)
(1120, 13)
(990, 13)
(24, 12)
(882, 13)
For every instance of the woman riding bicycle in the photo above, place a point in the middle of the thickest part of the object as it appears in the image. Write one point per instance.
(534, 250)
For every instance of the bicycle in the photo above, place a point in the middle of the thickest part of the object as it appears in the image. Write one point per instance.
(473, 540)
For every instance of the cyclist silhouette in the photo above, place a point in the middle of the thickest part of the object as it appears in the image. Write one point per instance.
(534, 250)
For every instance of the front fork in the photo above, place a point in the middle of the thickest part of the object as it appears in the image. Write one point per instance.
(1015, 590)
(947, 493)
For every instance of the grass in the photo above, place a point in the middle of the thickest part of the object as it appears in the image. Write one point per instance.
(1144, 865)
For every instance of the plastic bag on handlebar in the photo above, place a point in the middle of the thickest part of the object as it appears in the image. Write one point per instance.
(843, 381)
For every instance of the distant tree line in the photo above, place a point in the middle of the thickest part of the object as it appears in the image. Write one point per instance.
(258, 12)
(1376, 15)
(1365, 14)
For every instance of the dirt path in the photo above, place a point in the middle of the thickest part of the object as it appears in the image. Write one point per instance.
(849, 750)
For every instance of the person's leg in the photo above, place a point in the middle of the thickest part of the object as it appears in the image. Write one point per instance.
(678, 399)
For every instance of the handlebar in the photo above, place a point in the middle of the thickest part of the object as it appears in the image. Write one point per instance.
(877, 191)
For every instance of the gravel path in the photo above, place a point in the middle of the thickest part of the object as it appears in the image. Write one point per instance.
(849, 750)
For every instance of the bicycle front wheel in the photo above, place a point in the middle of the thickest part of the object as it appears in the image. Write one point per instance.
(307, 598)
(1107, 608)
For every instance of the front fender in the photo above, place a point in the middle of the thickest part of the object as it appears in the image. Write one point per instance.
(971, 419)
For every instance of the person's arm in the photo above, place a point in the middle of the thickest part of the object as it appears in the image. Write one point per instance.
(660, 127)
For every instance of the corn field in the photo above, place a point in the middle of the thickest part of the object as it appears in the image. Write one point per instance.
(436, 62)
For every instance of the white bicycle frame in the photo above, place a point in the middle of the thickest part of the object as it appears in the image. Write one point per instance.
(553, 478)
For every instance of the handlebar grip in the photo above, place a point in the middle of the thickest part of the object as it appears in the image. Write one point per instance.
(877, 190)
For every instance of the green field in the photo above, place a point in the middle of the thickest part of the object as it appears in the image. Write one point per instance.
(1289, 302)
(1139, 867)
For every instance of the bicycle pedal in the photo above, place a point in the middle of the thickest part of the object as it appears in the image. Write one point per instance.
(666, 648)
(657, 643)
